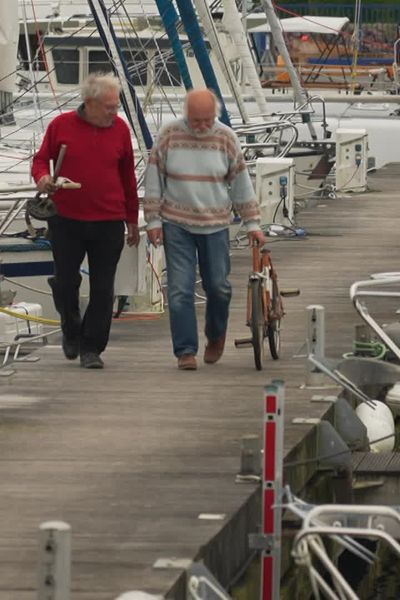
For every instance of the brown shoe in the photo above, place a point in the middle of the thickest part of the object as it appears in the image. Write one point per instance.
(187, 362)
(214, 350)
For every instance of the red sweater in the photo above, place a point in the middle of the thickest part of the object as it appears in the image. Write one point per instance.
(101, 159)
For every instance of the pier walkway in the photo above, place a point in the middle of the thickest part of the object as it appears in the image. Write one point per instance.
(133, 455)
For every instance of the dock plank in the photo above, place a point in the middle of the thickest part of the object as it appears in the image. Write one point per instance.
(130, 456)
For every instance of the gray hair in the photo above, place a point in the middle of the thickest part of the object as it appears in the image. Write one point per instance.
(97, 84)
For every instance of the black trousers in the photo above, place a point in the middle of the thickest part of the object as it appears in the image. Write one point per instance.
(71, 240)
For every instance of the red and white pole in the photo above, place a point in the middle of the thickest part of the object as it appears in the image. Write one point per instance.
(272, 490)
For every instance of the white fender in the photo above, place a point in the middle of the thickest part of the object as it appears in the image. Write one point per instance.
(392, 398)
(379, 422)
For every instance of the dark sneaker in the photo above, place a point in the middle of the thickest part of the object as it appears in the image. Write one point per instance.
(70, 348)
(187, 362)
(91, 360)
(214, 350)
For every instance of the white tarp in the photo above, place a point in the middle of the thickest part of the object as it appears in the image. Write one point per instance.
(306, 24)
(9, 30)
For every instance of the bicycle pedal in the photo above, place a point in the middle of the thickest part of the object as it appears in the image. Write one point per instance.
(244, 343)
(289, 293)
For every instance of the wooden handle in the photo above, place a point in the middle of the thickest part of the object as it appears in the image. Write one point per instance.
(60, 158)
(70, 185)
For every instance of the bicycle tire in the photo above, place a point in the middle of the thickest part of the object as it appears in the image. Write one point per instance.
(274, 327)
(257, 324)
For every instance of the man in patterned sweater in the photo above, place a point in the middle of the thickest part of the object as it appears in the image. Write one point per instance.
(195, 175)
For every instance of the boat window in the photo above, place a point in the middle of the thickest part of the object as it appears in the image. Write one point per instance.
(38, 63)
(136, 63)
(98, 61)
(66, 63)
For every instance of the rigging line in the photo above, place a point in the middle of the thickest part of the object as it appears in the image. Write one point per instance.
(27, 287)
(130, 100)
(43, 54)
(356, 43)
(27, 125)
(142, 46)
(344, 34)
(193, 30)
(214, 40)
(163, 55)
(170, 20)
(163, 92)
(19, 97)
(31, 71)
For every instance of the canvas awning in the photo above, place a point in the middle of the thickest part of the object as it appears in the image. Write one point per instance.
(306, 24)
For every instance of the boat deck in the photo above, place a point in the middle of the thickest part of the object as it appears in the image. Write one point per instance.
(132, 456)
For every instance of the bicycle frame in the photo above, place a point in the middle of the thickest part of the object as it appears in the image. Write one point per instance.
(264, 309)
(262, 269)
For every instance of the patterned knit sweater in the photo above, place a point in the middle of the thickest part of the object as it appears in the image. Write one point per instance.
(194, 180)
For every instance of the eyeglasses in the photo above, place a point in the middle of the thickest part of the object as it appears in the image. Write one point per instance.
(110, 107)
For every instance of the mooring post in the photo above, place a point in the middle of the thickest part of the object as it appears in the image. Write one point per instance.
(54, 573)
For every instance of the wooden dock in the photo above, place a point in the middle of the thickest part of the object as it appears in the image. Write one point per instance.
(132, 456)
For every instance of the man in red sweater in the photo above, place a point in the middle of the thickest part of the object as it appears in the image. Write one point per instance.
(90, 220)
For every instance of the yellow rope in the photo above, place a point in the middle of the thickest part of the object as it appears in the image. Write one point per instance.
(28, 317)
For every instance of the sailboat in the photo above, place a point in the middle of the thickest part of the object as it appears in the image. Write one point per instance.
(53, 64)
(26, 259)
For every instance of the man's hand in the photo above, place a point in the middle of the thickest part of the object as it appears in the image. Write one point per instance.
(46, 185)
(155, 236)
(133, 237)
(257, 236)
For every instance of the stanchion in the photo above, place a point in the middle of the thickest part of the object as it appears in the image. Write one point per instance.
(315, 343)
(54, 579)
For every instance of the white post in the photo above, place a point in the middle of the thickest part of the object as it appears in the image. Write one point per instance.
(54, 573)
(315, 340)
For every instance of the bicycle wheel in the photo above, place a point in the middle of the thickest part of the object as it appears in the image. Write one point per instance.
(257, 323)
(274, 326)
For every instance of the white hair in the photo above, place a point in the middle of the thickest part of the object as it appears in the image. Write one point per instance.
(96, 84)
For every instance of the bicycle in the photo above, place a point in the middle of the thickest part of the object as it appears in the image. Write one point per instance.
(264, 307)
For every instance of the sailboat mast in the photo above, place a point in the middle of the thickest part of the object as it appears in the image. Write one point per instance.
(194, 33)
(300, 94)
(9, 29)
(206, 19)
(235, 27)
(170, 18)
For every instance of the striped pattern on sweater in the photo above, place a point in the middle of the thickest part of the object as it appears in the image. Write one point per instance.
(196, 179)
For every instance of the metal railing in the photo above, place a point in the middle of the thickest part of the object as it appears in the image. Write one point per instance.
(357, 292)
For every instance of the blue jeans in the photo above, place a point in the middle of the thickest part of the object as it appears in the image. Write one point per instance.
(182, 251)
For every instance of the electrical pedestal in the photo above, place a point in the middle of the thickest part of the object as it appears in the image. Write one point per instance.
(351, 160)
(275, 190)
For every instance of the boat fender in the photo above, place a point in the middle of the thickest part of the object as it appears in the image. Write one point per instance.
(392, 398)
(379, 422)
